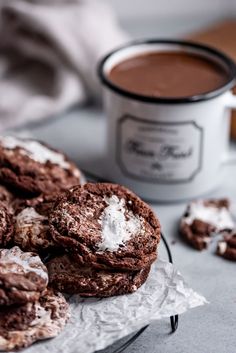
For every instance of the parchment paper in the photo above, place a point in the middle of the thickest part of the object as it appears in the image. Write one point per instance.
(95, 324)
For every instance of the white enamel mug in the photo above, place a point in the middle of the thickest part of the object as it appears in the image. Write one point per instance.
(167, 149)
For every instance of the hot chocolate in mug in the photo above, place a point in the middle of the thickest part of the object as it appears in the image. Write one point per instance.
(167, 148)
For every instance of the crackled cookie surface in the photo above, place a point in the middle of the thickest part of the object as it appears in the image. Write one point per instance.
(227, 246)
(204, 218)
(31, 223)
(67, 276)
(31, 167)
(106, 225)
(6, 224)
(32, 231)
(21, 326)
(5, 195)
(23, 276)
(42, 203)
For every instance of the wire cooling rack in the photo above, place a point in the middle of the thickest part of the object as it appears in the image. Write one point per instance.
(173, 319)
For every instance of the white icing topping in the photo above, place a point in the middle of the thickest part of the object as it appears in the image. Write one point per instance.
(48, 323)
(218, 217)
(222, 246)
(118, 225)
(41, 315)
(29, 216)
(35, 150)
(3, 343)
(20, 262)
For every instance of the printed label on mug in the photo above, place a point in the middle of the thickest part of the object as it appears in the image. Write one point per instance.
(166, 152)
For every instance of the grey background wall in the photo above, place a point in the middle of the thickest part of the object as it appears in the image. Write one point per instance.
(168, 18)
(132, 9)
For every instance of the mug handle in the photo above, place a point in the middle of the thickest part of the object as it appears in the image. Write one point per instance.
(230, 102)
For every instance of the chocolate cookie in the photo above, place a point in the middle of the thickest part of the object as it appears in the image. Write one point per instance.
(6, 224)
(5, 195)
(227, 247)
(42, 203)
(32, 231)
(30, 167)
(203, 219)
(22, 276)
(67, 276)
(21, 326)
(106, 226)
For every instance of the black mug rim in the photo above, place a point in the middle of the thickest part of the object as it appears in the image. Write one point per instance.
(166, 100)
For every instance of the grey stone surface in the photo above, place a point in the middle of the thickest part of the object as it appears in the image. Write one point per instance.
(81, 133)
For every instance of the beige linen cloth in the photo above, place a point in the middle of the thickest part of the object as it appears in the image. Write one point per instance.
(48, 55)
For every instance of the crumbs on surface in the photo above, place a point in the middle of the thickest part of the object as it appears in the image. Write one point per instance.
(217, 216)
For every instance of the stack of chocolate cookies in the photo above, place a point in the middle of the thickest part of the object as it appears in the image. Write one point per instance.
(58, 234)
(31, 176)
(29, 311)
(110, 240)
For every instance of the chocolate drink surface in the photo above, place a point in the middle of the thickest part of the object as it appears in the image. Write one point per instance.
(173, 74)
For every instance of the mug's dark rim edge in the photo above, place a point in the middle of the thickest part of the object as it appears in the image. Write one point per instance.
(166, 100)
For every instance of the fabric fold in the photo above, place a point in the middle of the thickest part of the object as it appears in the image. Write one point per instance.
(48, 55)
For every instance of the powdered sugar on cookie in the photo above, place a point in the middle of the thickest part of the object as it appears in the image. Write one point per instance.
(35, 150)
(118, 224)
